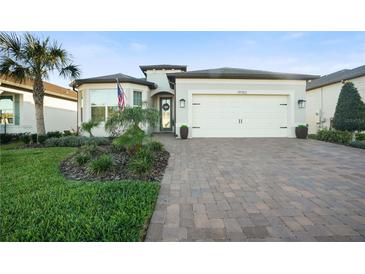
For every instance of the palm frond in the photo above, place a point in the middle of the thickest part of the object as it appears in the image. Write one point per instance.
(70, 71)
(10, 43)
(11, 68)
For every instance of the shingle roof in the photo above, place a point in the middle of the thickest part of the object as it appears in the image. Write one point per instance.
(164, 66)
(49, 89)
(112, 79)
(238, 73)
(345, 74)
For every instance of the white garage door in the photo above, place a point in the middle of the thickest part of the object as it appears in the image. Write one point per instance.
(239, 116)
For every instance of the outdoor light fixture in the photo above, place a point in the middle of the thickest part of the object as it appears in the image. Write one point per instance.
(301, 103)
(182, 103)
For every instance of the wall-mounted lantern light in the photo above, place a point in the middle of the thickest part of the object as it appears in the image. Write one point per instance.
(301, 103)
(182, 103)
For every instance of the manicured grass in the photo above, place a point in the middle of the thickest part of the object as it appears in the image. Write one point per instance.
(38, 204)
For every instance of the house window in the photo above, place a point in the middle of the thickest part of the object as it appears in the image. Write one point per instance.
(104, 103)
(137, 98)
(7, 109)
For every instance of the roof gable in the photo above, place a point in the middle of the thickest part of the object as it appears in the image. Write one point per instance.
(112, 78)
(338, 76)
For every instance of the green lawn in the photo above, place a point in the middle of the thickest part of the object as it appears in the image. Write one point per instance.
(38, 204)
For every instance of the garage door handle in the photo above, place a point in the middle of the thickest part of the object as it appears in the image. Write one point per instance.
(196, 127)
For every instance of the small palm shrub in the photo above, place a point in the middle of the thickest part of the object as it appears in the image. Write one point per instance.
(334, 136)
(141, 162)
(102, 164)
(154, 146)
(88, 126)
(131, 140)
(82, 158)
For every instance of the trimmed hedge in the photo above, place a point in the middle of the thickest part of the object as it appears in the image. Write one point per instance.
(357, 144)
(334, 136)
(75, 141)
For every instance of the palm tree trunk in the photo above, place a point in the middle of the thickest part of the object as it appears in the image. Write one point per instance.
(38, 95)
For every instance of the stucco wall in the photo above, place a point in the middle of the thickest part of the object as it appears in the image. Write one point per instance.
(127, 87)
(59, 114)
(324, 100)
(295, 90)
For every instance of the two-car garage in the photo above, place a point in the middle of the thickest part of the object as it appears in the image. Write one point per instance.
(223, 115)
(233, 102)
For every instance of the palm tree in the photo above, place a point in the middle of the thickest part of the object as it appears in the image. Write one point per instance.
(29, 57)
(132, 117)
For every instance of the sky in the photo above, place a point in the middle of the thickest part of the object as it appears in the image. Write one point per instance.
(103, 53)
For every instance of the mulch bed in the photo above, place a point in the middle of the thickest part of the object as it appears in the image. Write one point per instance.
(72, 170)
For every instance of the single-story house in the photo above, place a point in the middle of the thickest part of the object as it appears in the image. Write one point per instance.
(323, 93)
(223, 102)
(17, 109)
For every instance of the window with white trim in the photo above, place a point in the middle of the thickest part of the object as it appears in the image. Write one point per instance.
(7, 109)
(104, 103)
(137, 98)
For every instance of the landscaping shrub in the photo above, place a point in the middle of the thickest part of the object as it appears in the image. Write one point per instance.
(141, 162)
(88, 126)
(360, 136)
(102, 164)
(5, 138)
(358, 144)
(75, 141)
(350, 110)
(334, 136)
(131, 140)
(82, 158)
(42, 139)
(54, 134)
(33, 137)
(68, 133)
(154, 146)
(25, 138)
(312, 136)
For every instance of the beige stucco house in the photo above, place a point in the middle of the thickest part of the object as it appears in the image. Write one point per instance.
(323, 93)
(18, 111)
(224, 102)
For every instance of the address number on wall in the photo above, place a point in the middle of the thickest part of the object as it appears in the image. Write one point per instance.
(242, 92)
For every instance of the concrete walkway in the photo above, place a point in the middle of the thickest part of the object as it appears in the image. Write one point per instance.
(260, 190)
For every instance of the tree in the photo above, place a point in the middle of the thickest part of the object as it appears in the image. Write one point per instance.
(350, 110)
(29, 57)
(88, 126)
(132, 117)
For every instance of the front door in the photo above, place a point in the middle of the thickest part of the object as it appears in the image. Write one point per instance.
(165, 114)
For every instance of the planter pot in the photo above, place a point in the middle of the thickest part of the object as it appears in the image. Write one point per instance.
(184, 131)
(301, 132)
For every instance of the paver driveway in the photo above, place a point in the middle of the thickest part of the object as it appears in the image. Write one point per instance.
(260, 190)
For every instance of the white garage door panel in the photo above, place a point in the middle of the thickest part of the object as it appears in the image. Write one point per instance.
(219, 115)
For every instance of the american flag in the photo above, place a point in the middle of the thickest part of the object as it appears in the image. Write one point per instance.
(121, 96)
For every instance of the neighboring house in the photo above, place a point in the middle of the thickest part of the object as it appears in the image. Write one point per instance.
(224, 102)
(323, 93)
(18, 111)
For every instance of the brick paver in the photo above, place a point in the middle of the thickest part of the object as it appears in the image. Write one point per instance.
(260, 189)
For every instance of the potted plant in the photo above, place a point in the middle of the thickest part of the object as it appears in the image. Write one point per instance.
(184, 132)
(301, 131)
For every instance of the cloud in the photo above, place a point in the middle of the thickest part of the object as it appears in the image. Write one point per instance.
(331, 42)
(249, 42)
(294, 35)
(135, 46)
